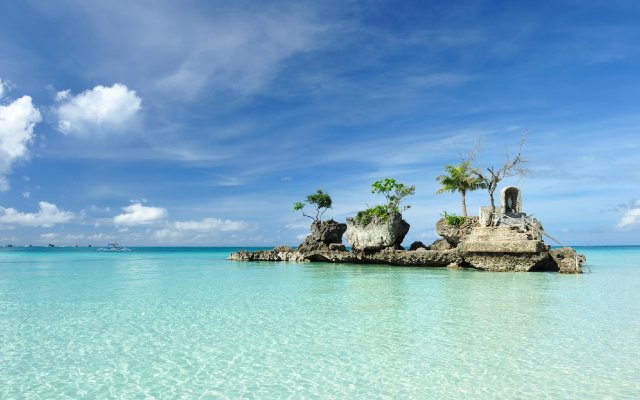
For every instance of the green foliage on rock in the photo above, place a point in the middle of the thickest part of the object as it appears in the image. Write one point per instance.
(454, 220)
(320, 201)
(366, 216)
(394, 192)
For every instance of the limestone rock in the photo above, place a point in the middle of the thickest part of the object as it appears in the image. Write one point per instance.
(566, 260)
(502, 262)
(455, 234)
(378, 234)
(283, 249)
(501, 239)
(280, 253)
(417, 245)
(440, 245)
(323, 234)
(337, 247)
(422, 258)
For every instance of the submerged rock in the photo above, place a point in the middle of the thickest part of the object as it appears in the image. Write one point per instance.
(377, 235)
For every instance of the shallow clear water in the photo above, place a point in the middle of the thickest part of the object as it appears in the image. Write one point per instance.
(185, 323)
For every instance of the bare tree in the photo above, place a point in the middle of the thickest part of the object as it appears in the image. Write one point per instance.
(513, 166)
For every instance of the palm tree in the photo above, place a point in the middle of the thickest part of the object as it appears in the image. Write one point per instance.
(460, 178)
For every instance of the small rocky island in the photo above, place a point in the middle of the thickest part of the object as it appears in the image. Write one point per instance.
(502, 239)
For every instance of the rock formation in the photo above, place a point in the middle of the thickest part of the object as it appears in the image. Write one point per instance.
(417, 245)
(441, 245)
(377, 235)
(566, 260)
(493, 248)
(505, 241)
(421, 257)
(323, 235)
(455, 233)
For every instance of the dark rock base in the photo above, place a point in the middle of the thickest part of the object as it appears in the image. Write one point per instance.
(563, 260)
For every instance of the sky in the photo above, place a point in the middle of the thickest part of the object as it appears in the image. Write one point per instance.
(200, 123)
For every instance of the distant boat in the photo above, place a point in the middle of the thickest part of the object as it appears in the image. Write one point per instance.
(51, 245)
(113, 247)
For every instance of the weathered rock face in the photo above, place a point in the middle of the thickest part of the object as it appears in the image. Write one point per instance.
(501, 240)
(504, 248)
(509, 248)
(280, 253)
(377, 235)
(417, 245)
(421, 258)
(455, 234)
(323, 234)
(337, 247)
(566, 260)
(508, 261)
(441, 244)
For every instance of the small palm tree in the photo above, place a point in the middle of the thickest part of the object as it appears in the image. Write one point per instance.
(460, 178)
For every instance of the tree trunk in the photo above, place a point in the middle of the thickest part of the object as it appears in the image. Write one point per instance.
(493, 204)
(464, 203)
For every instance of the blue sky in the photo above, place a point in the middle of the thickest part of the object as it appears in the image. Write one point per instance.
(200, 123)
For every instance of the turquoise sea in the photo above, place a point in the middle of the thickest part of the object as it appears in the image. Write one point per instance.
(171, 323)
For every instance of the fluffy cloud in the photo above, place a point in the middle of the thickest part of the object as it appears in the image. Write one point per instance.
(211, 225)
(17, 120)
(631, 217)
(137, 214)
(1, 89)
(47, 216)
(98, 111)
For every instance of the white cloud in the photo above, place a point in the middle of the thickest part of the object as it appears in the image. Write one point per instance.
(184, 51)
(298, 225)
(1, 88)
(80, 236)
(63, 95)
(166, 233)
(26, 195)
(137, 214)
(211, 225)
(17, 120)
(98, 111)
(47, 216)
(49, 235)
(244, 54)
(631, 218)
